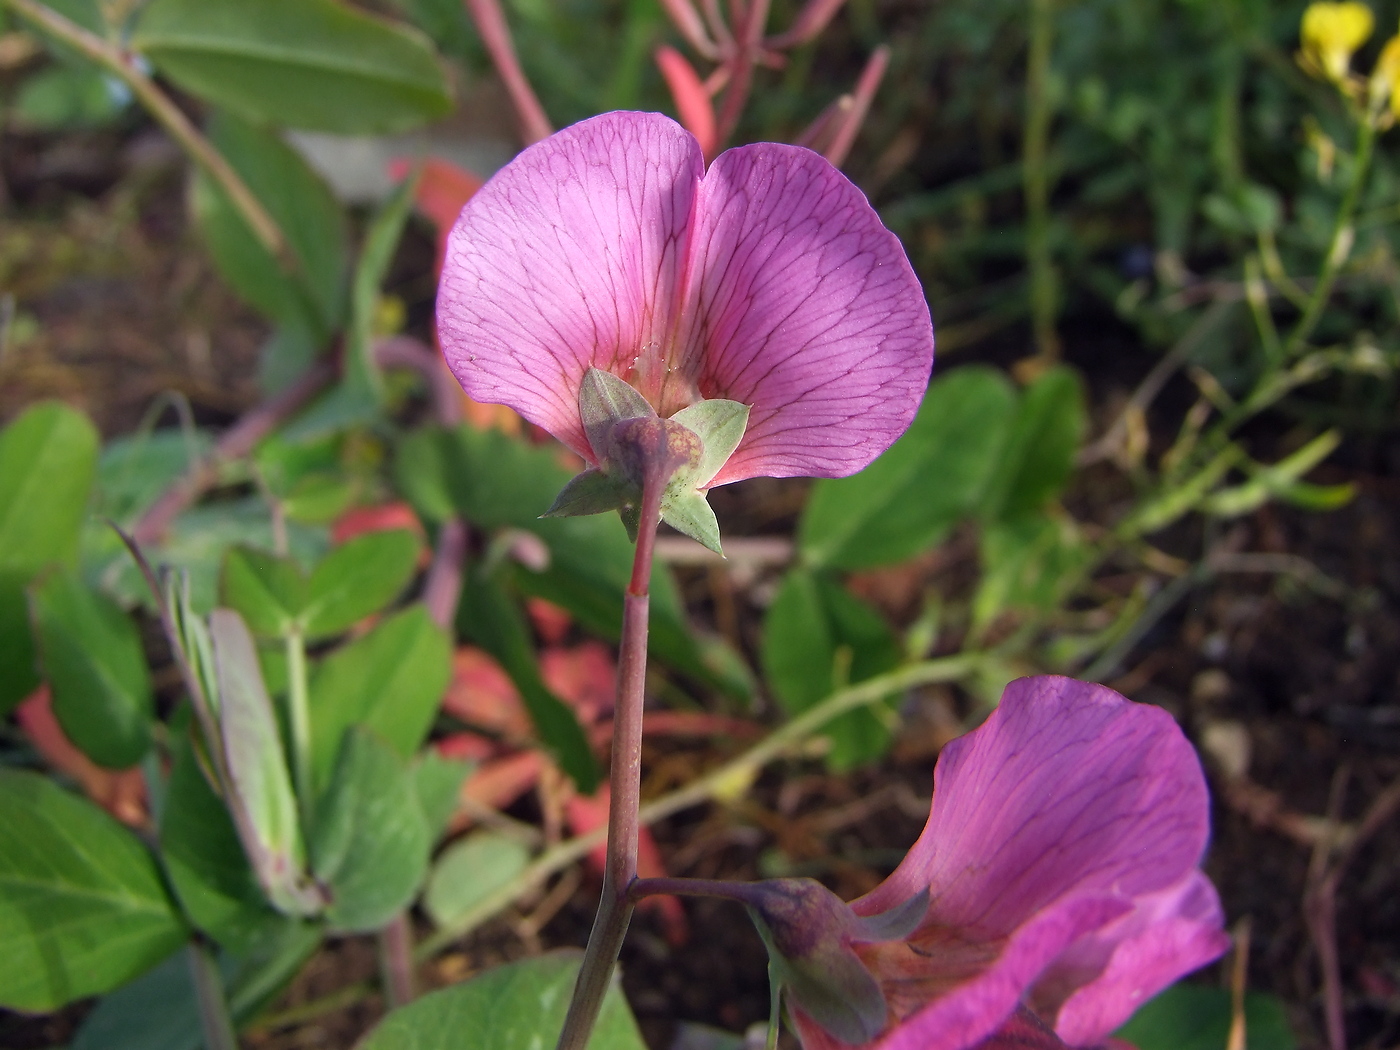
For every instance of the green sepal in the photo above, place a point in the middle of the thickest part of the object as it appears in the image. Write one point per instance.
(720, 426)
(593, 492)
(605, 400)
(688, 512)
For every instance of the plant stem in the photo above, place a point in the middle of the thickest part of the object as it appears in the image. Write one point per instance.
(121, 65)
(299, 723)
(1339, 244)
(615, 907)
(724, 781)
(1036, 181)
(490, 22)
(214, 1017)
(395, 944)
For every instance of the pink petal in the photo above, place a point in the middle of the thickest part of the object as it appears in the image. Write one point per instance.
(1168, 935)
(979, 1007)
(1067, 789)
(802, 305)
(567, 258)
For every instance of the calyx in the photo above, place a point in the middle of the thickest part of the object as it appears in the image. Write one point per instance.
(629, 439)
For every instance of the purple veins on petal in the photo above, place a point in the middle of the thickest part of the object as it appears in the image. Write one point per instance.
(767, 280)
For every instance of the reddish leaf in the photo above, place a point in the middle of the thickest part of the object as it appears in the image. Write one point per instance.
(693, 104)
(482, 694)
(552, 622)
(584, 676)
(443, 189)
(384, 517)
(497, 782)
(121, 792)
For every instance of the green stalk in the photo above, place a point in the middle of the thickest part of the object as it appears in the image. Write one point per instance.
(299, 723)
(1339, 245)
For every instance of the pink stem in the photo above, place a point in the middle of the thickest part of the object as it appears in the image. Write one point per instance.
(396, 961)
(687, 19)
(869, 82)
(718, 29)
(444, 584)
(403, 351)
(238, 441)
(615, 907)
(810, 21)
(495, 34)
(741, 76)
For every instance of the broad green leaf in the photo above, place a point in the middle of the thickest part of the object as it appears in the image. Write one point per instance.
(206, 864)
(390, 680)
(1195, 1017)
(372, 840)
(311, 64)
(312, 299)
(817, 638)
(92, 657)
(1038, 455)
(48, 457)
(64, 96)
(269, 592)
(1031, 564)
(159, 1011)
(909, 498)
(381, 241)
(18, 668)
(358, 578)
(438, 781)
(469, 871)
(263, 805)
(491, 616)
(515, 1007)
(82, 905)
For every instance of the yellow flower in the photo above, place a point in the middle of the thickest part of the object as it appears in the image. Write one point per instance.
(1386, 76)
(1332, 31)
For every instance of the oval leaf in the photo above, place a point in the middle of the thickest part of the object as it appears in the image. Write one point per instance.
(82, 905)
(515, 1007)
(358, 578)
(92, 657)
(299, 63)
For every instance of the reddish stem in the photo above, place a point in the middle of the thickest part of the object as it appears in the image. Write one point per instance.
(869, 81)
(810, 21)
(615, 907)
(741, 65)
(238, 441)
(495, 34)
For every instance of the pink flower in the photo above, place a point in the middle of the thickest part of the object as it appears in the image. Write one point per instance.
(1060, 859)
(767, 280)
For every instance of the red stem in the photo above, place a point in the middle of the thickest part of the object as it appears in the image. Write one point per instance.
(495, 34)
(741, 77)
(238, 441)
(615, 907)
(869, 81)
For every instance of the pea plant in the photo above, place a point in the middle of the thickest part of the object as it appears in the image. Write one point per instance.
(281, 684)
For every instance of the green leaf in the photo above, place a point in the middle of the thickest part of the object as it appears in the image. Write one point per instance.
(267, 591)
(159, 1011)
(515, 1007)
(48, 457)
(1194, 1017)
(134, 470)
(381, 241)
(358, 578)
(262, 803)
(438, 781)
(311, 64)
(372, 840)
(92, 656)
(82, 905)
(818, 637)
(909, 498)
(62, 97)
(1031, 564)
(204, 860)
(1039, 452)
(490, 616)
(469, 871)
(390, 680)
(18, 668)
(312, 299)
